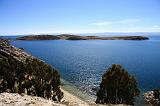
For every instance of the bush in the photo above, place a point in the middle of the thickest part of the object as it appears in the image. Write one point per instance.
(117, 87)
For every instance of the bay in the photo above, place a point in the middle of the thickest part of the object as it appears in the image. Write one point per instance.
(83, 62)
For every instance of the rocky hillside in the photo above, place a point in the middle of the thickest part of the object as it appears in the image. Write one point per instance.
(15, 99)
(22, 73)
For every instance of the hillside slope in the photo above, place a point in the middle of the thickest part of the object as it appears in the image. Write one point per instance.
(22, 73)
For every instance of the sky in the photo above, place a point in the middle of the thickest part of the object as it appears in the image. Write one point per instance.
(78, 16)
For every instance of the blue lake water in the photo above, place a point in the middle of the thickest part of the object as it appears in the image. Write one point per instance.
(83, 62)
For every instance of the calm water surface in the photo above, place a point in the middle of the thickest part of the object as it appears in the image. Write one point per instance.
(83, 62)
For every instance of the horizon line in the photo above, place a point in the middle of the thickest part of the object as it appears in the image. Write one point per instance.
(74, 33)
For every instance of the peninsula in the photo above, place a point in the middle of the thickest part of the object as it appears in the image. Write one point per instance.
(78, 37)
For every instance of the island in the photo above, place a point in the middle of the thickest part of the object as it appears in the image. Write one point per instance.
(38, 37)
(78, 37)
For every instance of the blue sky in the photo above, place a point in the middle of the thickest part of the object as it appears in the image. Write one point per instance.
(78, 16)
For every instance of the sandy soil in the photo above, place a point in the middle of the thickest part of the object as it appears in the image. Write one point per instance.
(15, 99)
(73, 100)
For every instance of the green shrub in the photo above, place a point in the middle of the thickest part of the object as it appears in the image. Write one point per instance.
(117, 87)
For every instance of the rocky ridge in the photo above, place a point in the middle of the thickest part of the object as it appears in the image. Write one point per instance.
(18, 54)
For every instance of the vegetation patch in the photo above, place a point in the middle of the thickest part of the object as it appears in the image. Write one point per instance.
(117, 87)
(22, 73)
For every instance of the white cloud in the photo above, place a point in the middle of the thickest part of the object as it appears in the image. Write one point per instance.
(156, 27)
(126, 21)
(102, 23)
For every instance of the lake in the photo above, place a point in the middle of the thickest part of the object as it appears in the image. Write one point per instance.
(83, 62)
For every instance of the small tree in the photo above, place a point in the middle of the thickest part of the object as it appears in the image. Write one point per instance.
(117, 87)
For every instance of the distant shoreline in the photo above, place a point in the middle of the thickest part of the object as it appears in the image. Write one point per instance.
(78, 37)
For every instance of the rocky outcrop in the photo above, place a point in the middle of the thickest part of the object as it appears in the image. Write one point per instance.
(22, 73)
(153, 97)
